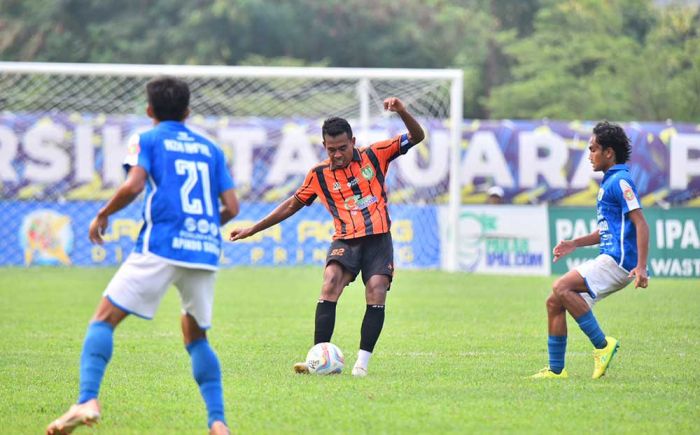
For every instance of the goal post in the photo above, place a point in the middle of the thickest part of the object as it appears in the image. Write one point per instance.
(63, 129)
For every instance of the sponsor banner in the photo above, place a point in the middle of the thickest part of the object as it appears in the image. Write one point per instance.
(78, 157)
(674, 245)
(501, 239)
(52, 233)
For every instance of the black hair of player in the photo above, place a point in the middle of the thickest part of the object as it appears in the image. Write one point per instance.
(335, 126)
(169, 98)
(609, 135)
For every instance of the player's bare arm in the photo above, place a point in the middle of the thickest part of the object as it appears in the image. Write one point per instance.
(640, 272)
(280, 213)
(231, 206)
(415, 132)
(566, 247)
(127, 192)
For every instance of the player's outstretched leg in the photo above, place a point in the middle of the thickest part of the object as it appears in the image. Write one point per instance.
(97, 351)
(323, 331)
(207, 373)
(324, 321)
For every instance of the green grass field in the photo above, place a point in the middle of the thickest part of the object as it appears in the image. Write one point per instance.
(452, 358)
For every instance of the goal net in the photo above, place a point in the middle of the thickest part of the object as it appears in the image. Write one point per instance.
(64, 128)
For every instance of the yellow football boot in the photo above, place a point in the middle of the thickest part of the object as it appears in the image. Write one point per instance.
(602, 357)
(546, 373)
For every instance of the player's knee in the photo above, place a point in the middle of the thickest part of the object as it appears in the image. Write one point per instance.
(376, 292)
(553, 303)
(332, 284)
(559, 288)
(191, 331)
(109, 313)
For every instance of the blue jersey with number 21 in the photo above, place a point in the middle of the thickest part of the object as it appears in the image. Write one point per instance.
(186, 175)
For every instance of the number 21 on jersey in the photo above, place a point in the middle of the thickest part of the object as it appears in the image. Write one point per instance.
(195, 172)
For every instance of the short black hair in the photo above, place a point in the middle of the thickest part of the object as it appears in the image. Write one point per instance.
(609, 135)
(169, 97)
(335, 126)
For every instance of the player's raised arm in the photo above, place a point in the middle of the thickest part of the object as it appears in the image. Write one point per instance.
(280, 213)
(127, 192)
(642, 229)
(415, 131)
(566, 247)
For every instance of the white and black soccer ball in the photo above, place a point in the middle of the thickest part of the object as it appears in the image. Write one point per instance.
(325, 359)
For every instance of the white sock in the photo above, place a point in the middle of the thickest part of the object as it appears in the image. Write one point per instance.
(363, 358)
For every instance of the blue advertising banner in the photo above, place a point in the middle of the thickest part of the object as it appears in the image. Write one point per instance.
(78, 157)
(51, 233)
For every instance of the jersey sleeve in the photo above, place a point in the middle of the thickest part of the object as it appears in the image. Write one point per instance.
(390, 149)
(306, 193)
(137, 154)
(627, 194)
(223, 177)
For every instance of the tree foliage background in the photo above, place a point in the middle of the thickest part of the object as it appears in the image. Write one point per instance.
(561, 59)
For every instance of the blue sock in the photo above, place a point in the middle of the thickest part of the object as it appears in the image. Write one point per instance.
(589, 326)
(97, 351)
(557, 351)
(207, 373)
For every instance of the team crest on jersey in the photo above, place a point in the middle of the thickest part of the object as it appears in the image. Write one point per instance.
(629, 195)
(367, 172)
(133, 149)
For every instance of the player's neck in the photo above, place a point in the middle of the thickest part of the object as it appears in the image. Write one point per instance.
(608, 165)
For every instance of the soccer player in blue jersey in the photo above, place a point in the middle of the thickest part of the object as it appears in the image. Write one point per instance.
(623, 235)
(185, 176)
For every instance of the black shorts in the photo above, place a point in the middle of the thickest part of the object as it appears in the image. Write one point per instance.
(371, 255)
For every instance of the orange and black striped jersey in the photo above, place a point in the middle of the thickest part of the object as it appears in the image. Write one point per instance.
(355, 195)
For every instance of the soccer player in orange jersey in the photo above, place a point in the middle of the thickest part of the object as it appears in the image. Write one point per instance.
(350, 184)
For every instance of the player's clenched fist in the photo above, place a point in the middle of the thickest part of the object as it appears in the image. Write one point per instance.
(393, 104)
(240, 233)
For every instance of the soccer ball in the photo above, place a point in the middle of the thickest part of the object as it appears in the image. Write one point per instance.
(325, 359)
